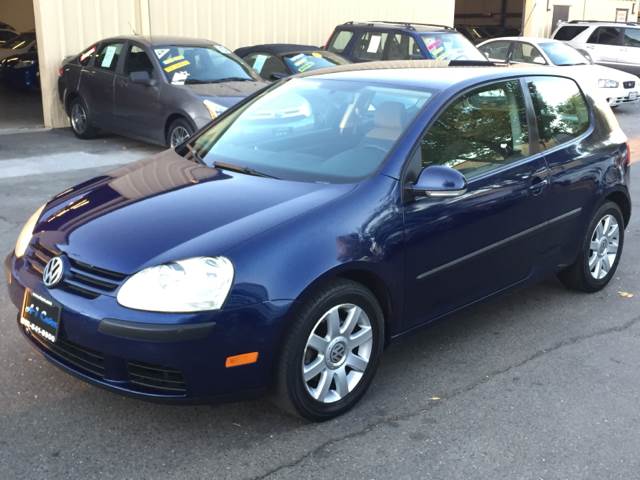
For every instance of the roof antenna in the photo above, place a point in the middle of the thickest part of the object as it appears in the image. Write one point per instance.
(133, 29)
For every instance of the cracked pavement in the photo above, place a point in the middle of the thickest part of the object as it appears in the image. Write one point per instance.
(541, 383)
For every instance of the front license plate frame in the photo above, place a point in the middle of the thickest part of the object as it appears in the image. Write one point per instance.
(40, 316)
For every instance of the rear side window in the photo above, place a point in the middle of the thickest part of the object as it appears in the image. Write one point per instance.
(561, 110)
(569, 32)
(496, 51)
(340, 41)
(482, 130)
(606, 36)
(526, 53)
(108, 56)
(266, 65)
(370, 46)
(85, 57)
(632, 37)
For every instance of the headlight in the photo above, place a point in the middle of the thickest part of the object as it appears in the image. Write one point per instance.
(27, 232)
(190, 285)
(214, 108)
(603, 83)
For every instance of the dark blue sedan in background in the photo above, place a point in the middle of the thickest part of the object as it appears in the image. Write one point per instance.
(288, 242)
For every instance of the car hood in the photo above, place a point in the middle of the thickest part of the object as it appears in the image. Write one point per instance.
(167, 208)
(226, 93)
(597, 72)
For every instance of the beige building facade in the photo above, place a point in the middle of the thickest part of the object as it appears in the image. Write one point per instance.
(64, 27)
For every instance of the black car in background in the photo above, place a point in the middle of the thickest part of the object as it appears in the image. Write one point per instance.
(480, 33)
(156, 89)
(381, 40)
(21, 71)
(280, 60)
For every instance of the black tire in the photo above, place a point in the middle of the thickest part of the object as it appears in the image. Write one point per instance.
(81, 120)
(578, 276)
(292, 394)
(178, 125)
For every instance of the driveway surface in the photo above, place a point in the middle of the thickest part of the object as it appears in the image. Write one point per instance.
(541, 383)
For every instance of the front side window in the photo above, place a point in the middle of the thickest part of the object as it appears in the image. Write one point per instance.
(480, 131)
(496, 51)
(451, 46)
(403, 47)
(606, 36)
(21, 41)
(632, 37)
(526, 53)
(569, 32)
(137, 60)
(266, 65)
(184, 64)
(85, 57)
(370, 46)
(108, 56)
(340, 41)
(560, 108)
(316, 130)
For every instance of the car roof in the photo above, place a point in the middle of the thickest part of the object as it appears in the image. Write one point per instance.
(599, 23)
(158, 40)
(404, 26)
(420, 73)
(276, 49)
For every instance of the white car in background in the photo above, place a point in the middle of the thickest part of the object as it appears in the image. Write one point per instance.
(616, 86)
(23, 43)
(612, 44)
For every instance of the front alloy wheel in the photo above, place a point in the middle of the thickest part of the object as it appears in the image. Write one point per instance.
(331, 352)
(337, 353)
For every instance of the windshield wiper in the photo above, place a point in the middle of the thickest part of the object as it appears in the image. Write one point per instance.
(233, 79)
(194, 154)
(197, 80)
(242, 169)
(570, 64)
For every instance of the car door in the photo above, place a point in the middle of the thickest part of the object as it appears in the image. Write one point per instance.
(631, 45)
(97, 84)
(464, 248)
(563, 122)
(605, 45)
(138, 107)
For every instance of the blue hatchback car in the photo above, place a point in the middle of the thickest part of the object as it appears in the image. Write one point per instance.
(286, 244)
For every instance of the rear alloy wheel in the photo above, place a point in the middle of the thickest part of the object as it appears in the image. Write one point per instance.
(178, 132)
(80, 120)
(332, 351)
(600, 251)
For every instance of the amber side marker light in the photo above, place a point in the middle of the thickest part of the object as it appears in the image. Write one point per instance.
(242, 359)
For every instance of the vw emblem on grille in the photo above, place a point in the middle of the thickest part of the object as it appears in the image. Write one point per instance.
(53, 272)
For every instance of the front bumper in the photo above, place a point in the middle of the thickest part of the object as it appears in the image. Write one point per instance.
(172, 357)
(619, 96)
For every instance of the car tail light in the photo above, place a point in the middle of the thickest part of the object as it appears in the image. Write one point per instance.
(60, 71)
(627, 160)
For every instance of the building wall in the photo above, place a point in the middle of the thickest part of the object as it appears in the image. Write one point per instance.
(17, 13)
(65, 27)
(538, 18)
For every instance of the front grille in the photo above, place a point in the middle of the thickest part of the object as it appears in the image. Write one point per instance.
(155, 377)
(82, 279)
(630, 84)
(84, 359)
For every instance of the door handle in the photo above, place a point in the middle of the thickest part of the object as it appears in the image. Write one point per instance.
(538, 184)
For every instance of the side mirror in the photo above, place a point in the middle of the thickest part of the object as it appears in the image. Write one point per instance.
(142, 78)
(278, 76)
(539, 60)
(439, 181)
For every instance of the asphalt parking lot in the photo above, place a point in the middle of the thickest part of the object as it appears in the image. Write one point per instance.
(538, 384)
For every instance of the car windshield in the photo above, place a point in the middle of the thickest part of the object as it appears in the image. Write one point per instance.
(562, 54)
(184, 64)
(21, 41)
(307, 61)
(451, 46)
(313, 130)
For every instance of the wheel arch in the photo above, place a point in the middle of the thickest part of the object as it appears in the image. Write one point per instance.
(623, 201)
(177, 116)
